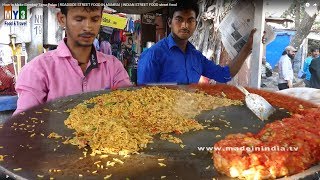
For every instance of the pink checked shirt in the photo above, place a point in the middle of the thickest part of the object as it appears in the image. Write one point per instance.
(57, 74)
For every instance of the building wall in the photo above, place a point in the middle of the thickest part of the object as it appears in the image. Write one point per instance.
(160, 28)
(52, 32)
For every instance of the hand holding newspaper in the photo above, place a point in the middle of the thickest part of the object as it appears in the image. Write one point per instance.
(235, 28)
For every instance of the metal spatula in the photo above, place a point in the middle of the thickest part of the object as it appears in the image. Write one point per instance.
(257, 104)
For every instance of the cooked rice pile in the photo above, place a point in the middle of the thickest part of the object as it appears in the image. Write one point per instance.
(124, 121)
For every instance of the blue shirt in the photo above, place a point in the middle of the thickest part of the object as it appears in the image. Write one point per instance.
(165, 62)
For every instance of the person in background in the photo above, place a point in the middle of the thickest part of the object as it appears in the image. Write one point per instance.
(266, 70)
(105, 46)
(285, 79)
(175, 60)
(314, 69)
(75, 66)
(307, 62)
(96, 44)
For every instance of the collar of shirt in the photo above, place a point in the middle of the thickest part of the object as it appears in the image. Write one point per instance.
(172, 43)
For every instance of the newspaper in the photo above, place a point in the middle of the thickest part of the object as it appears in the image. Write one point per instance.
(236, 27)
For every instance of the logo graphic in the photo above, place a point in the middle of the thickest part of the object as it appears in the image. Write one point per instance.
(15, 12)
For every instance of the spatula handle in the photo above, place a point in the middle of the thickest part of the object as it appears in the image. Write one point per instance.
(243, 90)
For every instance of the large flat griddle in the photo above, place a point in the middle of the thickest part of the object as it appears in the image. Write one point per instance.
(37, 155)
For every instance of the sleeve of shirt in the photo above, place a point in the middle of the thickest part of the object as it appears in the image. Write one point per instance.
(286, 69)
(121, 77)
(31, 87)
(148, 68)
(215, 72)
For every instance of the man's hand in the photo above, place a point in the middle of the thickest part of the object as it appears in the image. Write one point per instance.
(236, 64)
(249, 43)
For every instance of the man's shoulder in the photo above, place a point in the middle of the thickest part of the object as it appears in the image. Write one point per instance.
(160, 45)
(284, 58)
(37, 64)
(105, 58)
(308, 58)
(315, 61)
(44, 57)
(196, 52)
(109, 61)
(43, 61)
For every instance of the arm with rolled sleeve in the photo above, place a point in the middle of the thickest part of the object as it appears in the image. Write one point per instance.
(215, 72)
(148, 68)
(31, 87)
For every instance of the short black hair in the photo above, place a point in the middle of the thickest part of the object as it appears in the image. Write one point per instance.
(184, 5)
(314, 49)
(284, 52)
(94, 5)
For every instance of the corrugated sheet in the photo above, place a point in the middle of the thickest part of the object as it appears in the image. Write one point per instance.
(276, 47)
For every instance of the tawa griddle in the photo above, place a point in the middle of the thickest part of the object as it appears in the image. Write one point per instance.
(29, 154)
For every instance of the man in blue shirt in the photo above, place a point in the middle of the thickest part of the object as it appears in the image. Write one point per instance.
(307, 62)
(175, 60)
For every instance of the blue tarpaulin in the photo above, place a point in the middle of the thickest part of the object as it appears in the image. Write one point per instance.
(8, 103)
(276, 47)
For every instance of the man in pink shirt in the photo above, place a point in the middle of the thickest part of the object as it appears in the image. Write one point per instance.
(74, 67)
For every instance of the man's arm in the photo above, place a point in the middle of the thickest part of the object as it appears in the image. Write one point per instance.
(242, 56)
(31, 87)
(215, 72)
(26, 99)
(148, 68)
